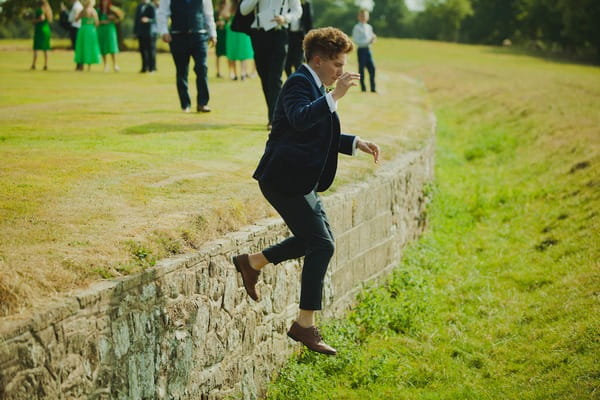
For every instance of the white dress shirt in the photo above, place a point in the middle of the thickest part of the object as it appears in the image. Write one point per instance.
(330, 102)
(362, 34)
(73, 13)
(268, 9)
(164, 12)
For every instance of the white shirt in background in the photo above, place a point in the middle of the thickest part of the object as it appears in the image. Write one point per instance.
(74, 12)
(268, 9)
(362, 34)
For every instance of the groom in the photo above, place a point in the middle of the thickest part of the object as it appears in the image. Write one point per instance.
(300, 160)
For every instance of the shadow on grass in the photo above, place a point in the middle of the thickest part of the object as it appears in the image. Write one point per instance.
(158, 127)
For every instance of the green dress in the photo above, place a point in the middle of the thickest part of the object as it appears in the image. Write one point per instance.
(87, 50)
(107, 35)
(41, 34)
(221, 38)
(239, 45)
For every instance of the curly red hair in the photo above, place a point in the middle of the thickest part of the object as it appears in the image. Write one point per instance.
(327, 42)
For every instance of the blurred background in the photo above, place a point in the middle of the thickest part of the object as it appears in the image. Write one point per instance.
(564, 27)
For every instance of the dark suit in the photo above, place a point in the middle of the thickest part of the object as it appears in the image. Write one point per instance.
(300, 160)
(146, 34)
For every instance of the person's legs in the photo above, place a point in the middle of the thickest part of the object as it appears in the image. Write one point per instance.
(104, 62)
(277, 55)
(293, 59)
(152, 53)
(243, 70)
(73, 34)
(199, 51)
(371, 68)
(35, 55)
(143, 50)
(261, 47)
(269, 55)
(232, 69)
(45, 59)
(361, 67)
(306, 218)
(113, 56)
(181, 56)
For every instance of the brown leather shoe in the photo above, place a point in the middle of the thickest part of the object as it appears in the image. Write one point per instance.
(311, 338)
(249, 274)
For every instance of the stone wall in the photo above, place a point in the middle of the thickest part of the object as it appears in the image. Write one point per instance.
(185, 329)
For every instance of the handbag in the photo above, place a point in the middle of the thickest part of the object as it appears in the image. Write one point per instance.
(241, 23)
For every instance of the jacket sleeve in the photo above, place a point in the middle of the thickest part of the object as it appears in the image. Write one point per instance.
(347, 144)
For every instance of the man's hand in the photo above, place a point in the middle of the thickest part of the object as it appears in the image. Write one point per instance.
(280, 19)
(369, 148)
(166, 37)
(212, 42)
(344, 82)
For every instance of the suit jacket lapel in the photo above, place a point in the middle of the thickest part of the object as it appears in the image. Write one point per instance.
(304, 71)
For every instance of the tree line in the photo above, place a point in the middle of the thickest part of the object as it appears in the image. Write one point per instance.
(570, 26)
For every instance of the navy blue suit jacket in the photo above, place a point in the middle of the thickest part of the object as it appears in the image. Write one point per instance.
(302, 149)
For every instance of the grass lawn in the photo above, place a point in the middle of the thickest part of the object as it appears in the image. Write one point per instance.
(500, 299)
(101, 173)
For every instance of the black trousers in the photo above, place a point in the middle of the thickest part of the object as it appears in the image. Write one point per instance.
(365, 60)
(312, 239)
(295, 53)
(270, 48)
(73, 35)
(147, 45)
(184, 46)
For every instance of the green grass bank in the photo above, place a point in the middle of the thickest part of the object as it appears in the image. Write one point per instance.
(101, 174)
(500, 298)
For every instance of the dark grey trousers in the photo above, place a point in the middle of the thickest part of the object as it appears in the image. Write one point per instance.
(313, 240)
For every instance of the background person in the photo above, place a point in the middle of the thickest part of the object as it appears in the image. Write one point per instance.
(222, 17)
(300, 160)
(76, 8)
(269, 41)
(363, 36)
(41, 35)
(107, 32)
(238, 48)
(87, 49)
(145, 29)
(192, 29)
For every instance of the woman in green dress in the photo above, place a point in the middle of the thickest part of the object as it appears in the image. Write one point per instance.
(41, 34)
(87, 49)
(107, 32)
(238, 48)
(221, 17)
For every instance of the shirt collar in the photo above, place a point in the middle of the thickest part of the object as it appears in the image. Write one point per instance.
(314, 75)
